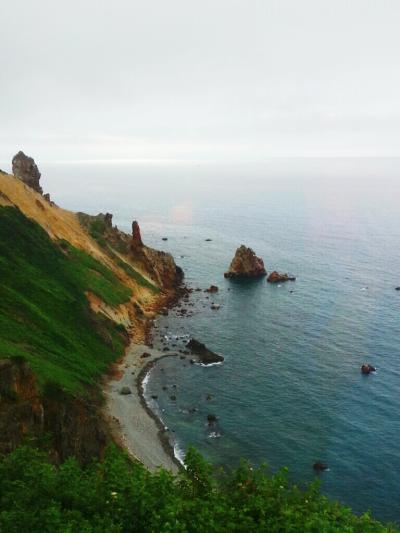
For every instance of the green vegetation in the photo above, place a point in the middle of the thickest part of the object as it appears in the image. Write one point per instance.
(117, 495)
(44, 313)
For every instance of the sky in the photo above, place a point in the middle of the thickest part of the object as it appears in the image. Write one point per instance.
(183, 81)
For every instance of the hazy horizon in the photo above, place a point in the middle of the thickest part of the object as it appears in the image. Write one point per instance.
(160, 83)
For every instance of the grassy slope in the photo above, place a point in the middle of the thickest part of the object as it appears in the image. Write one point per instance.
(44, 314)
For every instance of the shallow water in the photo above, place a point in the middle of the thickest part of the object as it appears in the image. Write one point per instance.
(290, 390)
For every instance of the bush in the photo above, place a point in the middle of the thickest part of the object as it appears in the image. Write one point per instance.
(118, 495)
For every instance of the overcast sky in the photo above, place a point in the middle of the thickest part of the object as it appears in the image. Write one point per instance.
(205, 80)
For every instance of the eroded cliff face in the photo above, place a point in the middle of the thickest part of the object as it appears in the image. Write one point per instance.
(160, 265)
(21, 410)
(70, 425)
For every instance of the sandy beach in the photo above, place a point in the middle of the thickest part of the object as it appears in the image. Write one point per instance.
(133, 424)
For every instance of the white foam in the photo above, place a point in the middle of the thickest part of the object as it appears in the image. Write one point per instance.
(179, 454)
(214, 435)
(209, 364)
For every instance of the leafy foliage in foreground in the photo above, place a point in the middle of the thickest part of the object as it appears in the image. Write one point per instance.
(44, 313)
(116, 495)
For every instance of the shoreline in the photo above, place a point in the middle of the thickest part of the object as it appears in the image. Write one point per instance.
(134, 425)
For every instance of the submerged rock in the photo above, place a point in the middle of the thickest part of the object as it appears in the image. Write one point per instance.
(367, 369)
(205, 355)
(25, 168)
(277, 277)
(211, 419)
(319, 466)
(246, 264)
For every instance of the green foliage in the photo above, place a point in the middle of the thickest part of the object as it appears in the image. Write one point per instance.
(44, 313)
(117, 495)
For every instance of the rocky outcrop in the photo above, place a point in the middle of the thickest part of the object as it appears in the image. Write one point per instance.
(205, 355)
(72, 424)
(277, 277)
(136, 236)
(159, 265)
(25, 168)
(246, 264)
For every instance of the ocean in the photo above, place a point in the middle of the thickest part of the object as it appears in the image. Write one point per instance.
(290, 391)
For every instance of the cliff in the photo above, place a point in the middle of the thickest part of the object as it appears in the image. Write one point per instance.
(74, 291)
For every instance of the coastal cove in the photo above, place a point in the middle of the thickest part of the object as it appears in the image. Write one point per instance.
(290, 391)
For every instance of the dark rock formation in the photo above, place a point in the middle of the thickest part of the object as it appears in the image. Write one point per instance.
(367, 369)
(125, 390)
(205, 355)
(397, 289)
(25, 168)
(212, 288)
(277, 277)
(319, 466)
(245, 264)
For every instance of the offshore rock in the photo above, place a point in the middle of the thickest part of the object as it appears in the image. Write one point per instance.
(205, 355)
(25, 168)
(277, 277)
(212, 288)
(319, 466)
(246, 264)
(367, 369)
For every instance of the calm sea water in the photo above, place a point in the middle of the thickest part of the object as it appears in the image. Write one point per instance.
(290, 391)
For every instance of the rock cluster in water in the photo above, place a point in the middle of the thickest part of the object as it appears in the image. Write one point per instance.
(25, 168)
(246, 264)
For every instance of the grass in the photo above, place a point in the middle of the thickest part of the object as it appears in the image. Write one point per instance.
(44, 313)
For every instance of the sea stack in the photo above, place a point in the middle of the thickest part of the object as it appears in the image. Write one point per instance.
(25, 168)
(246, 264)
